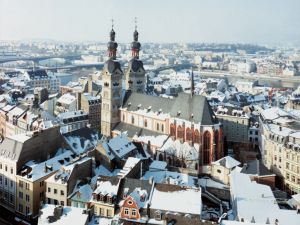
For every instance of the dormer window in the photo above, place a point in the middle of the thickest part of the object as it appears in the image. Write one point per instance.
(178, 113)
(124, 195)
(106, 84)
(142, 198)
(101, 198)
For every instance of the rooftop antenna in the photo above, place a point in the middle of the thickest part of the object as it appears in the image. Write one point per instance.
(112, 23)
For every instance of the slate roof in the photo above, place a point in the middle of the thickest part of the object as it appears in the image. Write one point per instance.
(193, 108)
(130, 184)
(135, 64)
(132, 130)
(112, 65)
(37, 74)
(256, 167)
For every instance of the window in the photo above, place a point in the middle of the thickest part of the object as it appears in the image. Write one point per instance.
(256, 132)
(145, 123)
(5, 181)
(219, 171)
(162, 128)
(11, 170)
(62, 192)
(133, 212)
(157, 126)
(55, 191)
(55, 202)
(62, 203)
(132, 119)
(102, 212)
(27, 186)
(0, 179)
(21, 184)
(20, 195)
(11, 183)
(49, 189)
(6, 168)
(287, 165)
(287, 176)
(109, 213)
(250, 131)
(27, 210)
(27, 198)
(21, 208)
(293, 179)
(126, 211)
(41, 183)
(0, 166)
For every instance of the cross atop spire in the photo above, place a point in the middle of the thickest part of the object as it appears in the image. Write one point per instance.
(135, 23)
(112, 23)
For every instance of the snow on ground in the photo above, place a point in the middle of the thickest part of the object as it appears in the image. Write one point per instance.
(100, 221)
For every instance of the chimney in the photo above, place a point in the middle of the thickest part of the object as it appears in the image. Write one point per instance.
(58, 211)
(45, 168)
(280, 128)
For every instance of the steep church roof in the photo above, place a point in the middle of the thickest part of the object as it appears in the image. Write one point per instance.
(193, 108)
(112, 65)
(135, 64)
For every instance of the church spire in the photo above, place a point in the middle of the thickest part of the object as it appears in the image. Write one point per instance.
(135, 45)
(192, 83)
(112, 45)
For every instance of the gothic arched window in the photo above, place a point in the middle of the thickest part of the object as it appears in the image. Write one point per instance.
(180, 132)
(197, 137)
(189, 134)
(172, 130)
(206, 148)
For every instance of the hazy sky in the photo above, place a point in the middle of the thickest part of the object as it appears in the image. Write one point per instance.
(252, 21)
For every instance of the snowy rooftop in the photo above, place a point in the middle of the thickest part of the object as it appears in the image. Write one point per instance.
(177, 199)
(66, 99)
(227, 162)
(257, 201)
(35, 171)
(130, 163)
(157, 165)
(71, 215)
(118, 146)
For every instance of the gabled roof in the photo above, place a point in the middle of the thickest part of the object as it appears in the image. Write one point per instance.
(193, 108)
(112, 66)
(135, 64)
(227, 162)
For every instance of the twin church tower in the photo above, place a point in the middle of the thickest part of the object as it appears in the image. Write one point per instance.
(112, 77)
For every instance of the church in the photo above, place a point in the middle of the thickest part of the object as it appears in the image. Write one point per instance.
(186, 122)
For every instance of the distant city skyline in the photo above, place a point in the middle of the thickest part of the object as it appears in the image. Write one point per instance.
(230, 21)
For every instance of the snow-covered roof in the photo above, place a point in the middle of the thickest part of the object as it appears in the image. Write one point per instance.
(66, 99)
(107, 187)
(176, 199)
(130, 163)
(273, 113)
(70, 215)
(227, 162)
(253, 200)
(83, 194)
(34, 171)
(157, 165)
(118, 146)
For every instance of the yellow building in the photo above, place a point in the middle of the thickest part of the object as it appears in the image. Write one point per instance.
(30, 183)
